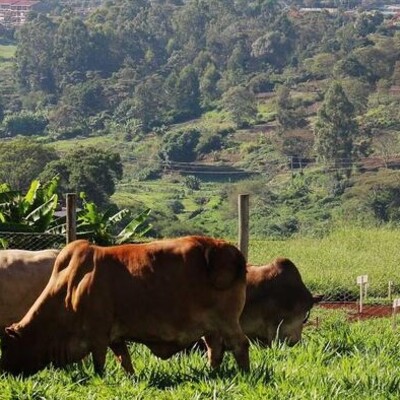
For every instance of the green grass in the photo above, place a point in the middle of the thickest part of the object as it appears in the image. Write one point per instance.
(332, 264)
(336, 361)
(159, 195)
(110, 142)
(7, 53)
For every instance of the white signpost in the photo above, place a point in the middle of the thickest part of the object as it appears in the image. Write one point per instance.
(362, 280)
(390, 287)
(396, 306)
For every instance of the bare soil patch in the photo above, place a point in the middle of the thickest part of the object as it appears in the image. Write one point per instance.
(353, 312)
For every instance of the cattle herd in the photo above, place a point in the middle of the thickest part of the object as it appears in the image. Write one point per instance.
(57, 307)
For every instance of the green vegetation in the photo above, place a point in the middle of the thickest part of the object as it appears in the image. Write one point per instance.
(35, 212)
(336, 361)
(297, 108)
(179, 106)
(7, 52)
(331, 265)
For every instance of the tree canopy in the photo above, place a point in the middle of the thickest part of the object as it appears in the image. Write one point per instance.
(89, 170)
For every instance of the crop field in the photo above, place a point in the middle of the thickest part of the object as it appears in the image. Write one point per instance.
(336, 359)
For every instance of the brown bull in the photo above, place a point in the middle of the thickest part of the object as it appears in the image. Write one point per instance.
(164, 294)
(23, 276)
(277, 304)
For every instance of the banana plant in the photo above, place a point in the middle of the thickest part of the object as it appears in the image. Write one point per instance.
(104, 228)
(35, 212)
(32, 212)
(107, 228)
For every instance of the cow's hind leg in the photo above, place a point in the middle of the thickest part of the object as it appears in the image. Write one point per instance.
(236, 340)
(215, 349)
(120, 350)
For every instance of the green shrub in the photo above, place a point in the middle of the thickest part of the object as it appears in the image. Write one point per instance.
(24, 123)
(180, 145)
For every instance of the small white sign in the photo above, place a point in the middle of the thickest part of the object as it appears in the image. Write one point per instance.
(396, 303)
(362, 279)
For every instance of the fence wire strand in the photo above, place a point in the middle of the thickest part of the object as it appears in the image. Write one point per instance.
(31, 241)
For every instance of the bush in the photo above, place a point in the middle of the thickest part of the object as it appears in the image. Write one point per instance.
(209, 143)
(180, 145)
(192, 182)
(24, 123)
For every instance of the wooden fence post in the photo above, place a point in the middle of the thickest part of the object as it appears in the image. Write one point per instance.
(243, 205)
(71, 217)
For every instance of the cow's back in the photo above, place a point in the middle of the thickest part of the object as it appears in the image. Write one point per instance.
(23, 276)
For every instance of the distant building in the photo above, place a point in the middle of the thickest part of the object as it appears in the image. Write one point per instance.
(82, 7)
(306, 10)
(14, 12)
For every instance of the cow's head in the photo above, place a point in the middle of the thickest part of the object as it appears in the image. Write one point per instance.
(26, 350)
(278, 303)
(291, 321)
(46, 335)
(19, 354)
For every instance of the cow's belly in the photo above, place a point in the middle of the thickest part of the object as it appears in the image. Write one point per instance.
(168, 332)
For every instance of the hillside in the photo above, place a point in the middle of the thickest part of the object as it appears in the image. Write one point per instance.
(297, 106)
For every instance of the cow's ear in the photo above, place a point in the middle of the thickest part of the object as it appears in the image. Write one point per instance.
(317, 298)
(11, 332)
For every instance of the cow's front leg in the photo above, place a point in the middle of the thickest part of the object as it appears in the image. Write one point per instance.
(236, 341)
(99, 359)
(120, 350)
(215, 349)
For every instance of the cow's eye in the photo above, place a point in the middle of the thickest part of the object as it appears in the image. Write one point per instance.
(306, 317)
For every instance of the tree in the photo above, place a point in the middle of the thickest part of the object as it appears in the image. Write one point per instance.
(335, 129)
(241, 104)
(184, 94)
(288, 116)
(72, 50)
(34, 55)
(22, 160)
(147, 103)
(208, 85)
(87, 169)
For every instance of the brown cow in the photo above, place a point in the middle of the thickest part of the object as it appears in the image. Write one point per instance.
(277, 304)
(164, 294)
(23, 276)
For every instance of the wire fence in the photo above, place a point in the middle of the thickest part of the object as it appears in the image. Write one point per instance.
(31, 241)
(359, 296)
(368, 298)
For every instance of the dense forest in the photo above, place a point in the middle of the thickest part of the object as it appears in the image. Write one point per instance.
(297, 106)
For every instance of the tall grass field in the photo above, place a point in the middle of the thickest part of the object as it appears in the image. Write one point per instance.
(335, 360)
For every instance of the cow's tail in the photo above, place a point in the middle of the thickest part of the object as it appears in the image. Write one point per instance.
(226, 265)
